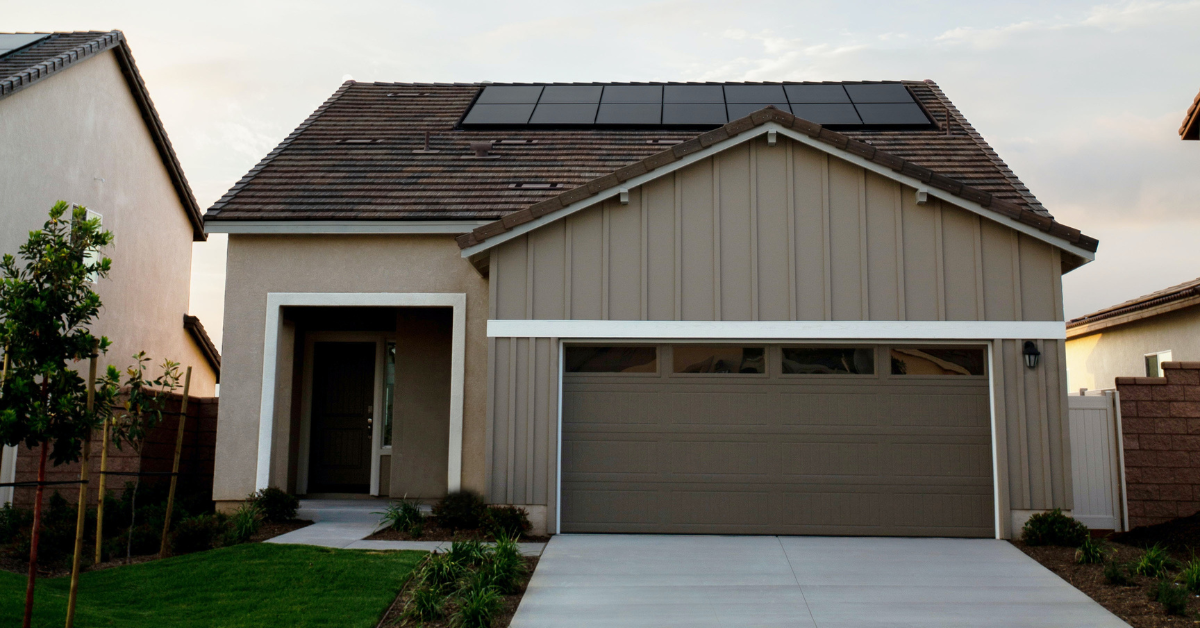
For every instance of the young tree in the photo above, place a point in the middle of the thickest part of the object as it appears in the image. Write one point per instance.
(46, 306)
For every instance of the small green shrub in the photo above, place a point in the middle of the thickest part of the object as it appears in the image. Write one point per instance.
(461, 510)
(478, 605)
(440, 573)
(467, 554)
(507, 520)
(425, 604)
(243, 524)
(1190, 576)
(277, 505)
(404, 516)
(1116, 574)
(1173, 597)
(1054, 528)
(1091, 552)
(199, 533)
(1153, 563)
(12, 521)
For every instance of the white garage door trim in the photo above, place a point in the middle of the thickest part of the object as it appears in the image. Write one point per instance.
(992, 374)
(779, 330)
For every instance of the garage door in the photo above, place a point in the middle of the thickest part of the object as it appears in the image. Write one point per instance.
(759, 439)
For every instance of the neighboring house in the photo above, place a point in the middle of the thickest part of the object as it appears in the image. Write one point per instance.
(1134, 338)
(1190, 129)
(76, 124)
(650, 308)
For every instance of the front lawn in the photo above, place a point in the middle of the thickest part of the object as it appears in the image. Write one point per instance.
(258, 584)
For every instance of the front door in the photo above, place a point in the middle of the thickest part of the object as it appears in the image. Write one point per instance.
(342, 396)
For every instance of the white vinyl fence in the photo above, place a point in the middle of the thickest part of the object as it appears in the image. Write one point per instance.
(1098, 460)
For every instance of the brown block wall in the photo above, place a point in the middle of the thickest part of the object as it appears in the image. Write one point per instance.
(158, 452)
(1160, 417)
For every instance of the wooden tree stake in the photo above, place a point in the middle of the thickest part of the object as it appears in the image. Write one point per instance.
(81, 508)
(187, 381)
(100, 496)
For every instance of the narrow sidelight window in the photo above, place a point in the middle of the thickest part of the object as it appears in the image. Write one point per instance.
(608, 359)
(719, 359)
(937, 361)
(829, 360)
(389, 392)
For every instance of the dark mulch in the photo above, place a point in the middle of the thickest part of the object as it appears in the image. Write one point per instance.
(435, 532)
(395, 614)
(270, 530)
(1130, 603)
(1179, 536)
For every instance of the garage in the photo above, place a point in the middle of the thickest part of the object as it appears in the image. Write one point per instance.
(757, 438)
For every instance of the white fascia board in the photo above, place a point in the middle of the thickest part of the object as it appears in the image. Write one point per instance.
(844, 155)
(779, 330)
(349, 227)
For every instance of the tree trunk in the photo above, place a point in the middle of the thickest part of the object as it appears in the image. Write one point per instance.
(35, 537)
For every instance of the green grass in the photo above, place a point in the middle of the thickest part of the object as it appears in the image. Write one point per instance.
(258, 584)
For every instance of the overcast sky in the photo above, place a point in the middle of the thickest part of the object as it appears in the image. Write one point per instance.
(1082, 99)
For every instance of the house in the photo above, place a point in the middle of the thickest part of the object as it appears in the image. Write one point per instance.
(78, 125)
(1190, 129)
(802, 308)
(1134, 338)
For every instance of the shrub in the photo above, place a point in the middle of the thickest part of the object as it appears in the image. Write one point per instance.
(1172, 596)
(461, 510)
(1190, 576)
(243, 524)
(404, 516)
(1091, 552)
(1054, 528)
(1115, 574)
(1153, 563)
(425, 604)
(277, 505)
(440, 573)
(12, 521)
(507, 520)
(197, 534)
(467, 554)
(477, 607)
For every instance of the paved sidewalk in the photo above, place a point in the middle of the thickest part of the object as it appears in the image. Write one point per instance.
(825, 582)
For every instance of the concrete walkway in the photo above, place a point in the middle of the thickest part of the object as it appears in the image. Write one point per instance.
(346, 523)
(825, 582)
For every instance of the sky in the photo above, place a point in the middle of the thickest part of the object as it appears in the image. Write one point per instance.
(1082, 99)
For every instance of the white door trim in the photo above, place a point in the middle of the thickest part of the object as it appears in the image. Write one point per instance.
(778, 330)
(278, 300)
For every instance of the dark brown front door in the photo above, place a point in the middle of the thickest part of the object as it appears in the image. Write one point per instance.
(343, 386)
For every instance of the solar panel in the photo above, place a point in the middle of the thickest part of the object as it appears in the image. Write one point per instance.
(878, 92)
(741, 109)
(892, 113)
(754, 93)
(693, 114)
(827, 113)
(816, 94)
(12, 41)
(632, 94)
(510, 94)
(566, 94)
(629, 113)
(691, 94)
(499, 114)
(564, 114)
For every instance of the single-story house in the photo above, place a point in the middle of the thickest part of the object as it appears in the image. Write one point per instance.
(761, 308)
(1134, 338)
(77, 124)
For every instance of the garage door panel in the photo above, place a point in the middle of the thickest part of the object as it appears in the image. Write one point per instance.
(831, 509)
(939, 460)
(612, 407)
(716, 507)
(960, 409)
(723, 458)
(831, 458)
(829, 409)
(587, 508)
(730, 408)
(612, 456)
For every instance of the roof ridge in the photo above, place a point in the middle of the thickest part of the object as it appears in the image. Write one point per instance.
(1166, 295)
(1007, 172)
(864, 150)
(215, 209)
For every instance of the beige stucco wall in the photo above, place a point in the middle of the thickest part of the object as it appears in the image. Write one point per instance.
(258, 265)
(82, 139)
(1094, 361)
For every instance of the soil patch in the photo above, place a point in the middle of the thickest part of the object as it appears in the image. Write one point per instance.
(1130, 603)
(1179, 536)
(435, 532)
(395, 614)
(270, 530)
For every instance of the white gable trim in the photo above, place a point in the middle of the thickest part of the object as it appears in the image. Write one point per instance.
(777, 330)
(802, 138)
(339, 227)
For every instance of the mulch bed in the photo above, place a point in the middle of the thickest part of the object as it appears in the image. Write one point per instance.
(1179, 536)
(270, 530)
(1130, 603)
(395, 614)
(435, 532)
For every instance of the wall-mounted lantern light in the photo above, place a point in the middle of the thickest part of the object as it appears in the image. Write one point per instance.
(1031, 354)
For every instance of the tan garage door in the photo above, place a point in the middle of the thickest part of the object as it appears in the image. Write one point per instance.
(756, 439)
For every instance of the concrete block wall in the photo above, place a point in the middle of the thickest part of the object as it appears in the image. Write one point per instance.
(1160, 418)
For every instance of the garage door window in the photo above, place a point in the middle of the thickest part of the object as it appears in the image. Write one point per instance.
(828, 361)
(937, 361)
(720, 359)
(607, 359)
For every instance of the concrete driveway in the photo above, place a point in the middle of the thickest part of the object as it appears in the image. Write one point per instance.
(648, 580)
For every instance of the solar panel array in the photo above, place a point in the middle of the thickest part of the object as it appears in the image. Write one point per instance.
(693, 105)
(10, 42)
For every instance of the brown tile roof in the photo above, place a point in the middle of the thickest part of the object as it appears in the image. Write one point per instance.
(1190, 129)
(196, 330)
(1166, 300)
(60, 51)
(314, 174)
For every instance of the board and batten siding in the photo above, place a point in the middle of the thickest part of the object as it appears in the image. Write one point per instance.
(763, 233)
